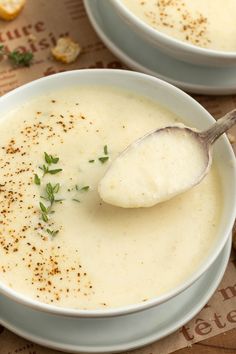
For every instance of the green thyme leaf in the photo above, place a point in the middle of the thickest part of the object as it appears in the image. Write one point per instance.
(16, 57)
(37, 180)
(41, 196)
(76, 200)
(50, 193)
(56, 188)
(44, 217)
(103, 159)
(46, 170)
(85, 188)
(105, 149)
(54, 159)
(53, 172)
(49, 189)
(20, 59)
(91, 161)
(50, 159)
(52, 232)
(47, 158)
(82, 189)
(42, 207)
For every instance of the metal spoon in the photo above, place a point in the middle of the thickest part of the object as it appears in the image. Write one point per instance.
(130, 183)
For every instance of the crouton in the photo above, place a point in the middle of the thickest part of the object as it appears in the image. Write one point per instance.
(10, 9)
(66, 50)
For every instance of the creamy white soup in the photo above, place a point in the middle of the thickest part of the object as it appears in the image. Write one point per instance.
(59, 242)
(205, 23)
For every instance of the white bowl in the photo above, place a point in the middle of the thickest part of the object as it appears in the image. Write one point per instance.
(178, 102)
(171, 46)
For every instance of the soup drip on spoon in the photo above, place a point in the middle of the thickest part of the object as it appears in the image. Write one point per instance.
(161, 165)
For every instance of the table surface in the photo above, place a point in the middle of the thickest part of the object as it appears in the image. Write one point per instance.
(224, 343)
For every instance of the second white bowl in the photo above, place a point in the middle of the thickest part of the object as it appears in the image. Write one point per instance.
(171, 46)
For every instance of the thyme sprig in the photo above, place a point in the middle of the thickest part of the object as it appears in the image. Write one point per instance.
(50, 192)
(16, 57)
(49, 159)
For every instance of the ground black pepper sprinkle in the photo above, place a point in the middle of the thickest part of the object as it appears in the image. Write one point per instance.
(194, 27)
(45, 272)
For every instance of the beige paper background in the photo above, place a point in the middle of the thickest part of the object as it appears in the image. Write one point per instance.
(36, 29)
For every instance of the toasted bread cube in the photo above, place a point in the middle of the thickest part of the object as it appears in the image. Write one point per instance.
(66, 50)
(9, 9)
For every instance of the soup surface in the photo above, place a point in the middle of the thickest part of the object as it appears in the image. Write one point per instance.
(59, 242)
(205, 23)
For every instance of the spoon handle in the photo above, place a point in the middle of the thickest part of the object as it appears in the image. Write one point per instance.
(220, 127)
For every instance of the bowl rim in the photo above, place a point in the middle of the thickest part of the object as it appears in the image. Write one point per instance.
(166, 39)
(133, 308)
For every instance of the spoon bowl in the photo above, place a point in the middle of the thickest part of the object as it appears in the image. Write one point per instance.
(162, 164)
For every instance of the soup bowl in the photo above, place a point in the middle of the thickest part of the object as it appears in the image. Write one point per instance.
(193, 114)
(175, 48)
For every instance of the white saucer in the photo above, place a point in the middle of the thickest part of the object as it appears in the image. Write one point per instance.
(112, 335)
(141, 56)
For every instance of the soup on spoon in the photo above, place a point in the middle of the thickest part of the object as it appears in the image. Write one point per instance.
(161, 165)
